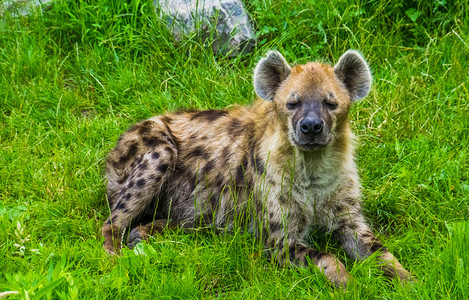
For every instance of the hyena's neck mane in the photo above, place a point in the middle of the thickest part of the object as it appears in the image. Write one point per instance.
(322, 168)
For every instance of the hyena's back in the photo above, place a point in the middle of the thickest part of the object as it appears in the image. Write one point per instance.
(171, 165)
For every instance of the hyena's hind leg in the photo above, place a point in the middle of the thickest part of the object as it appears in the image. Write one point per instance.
(142, 232)
(136, 170)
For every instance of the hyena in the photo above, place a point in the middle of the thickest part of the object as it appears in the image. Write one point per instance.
(286, 164)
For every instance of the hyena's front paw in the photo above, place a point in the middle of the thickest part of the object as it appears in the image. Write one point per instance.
(405, 277)
(142, 232)
(112, 238)
(393, 268)
(335, 271)
(329, 265)
(138, 234)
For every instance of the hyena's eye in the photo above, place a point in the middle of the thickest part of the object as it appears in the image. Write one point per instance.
(331, 105)
(293, 104)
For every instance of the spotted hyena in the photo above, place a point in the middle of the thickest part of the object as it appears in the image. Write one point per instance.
(282, 165)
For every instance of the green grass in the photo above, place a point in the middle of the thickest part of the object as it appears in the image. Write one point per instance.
(75, 76)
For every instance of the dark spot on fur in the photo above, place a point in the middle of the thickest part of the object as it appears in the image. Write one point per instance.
(227, 154)
(166, 119)
(252, 143)
(164, 135)
(186, 177)
(282, 199)
(258, 164)
(198, 152)
(162, 168)
(169, 150)
(209, 115)
(155, 177)
(241, 173)
(122, 180)
(144, 127)
(131, 184)
(141, 182)
(150, 142)
(342, 223)
(171, 138)
(291, 252)
(208, 167)
(259, 206)
(375, 246)
(367, 235)
(219, 182)
(339, 208)
(235, 127)
(301, 220)
(280, 246)
(120, 205)
(127, 196)
(348, 201)
(213, 200)
(301, 250)
(274, 227)
(143, 166)
(108, 221)
(155, 155)
(132, 150)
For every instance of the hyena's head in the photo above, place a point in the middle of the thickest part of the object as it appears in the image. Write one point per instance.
(312, 100)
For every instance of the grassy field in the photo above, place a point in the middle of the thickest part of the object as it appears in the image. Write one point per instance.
(74, 77)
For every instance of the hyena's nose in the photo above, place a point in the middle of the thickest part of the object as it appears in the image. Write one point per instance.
(310, 126)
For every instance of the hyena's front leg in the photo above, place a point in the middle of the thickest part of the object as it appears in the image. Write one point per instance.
(332, 268)
(359, 242)
(301, 255)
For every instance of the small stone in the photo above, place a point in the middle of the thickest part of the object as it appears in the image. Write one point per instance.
(22, 7)
(224, 23)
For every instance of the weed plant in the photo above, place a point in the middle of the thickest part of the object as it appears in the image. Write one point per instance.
(75, 75)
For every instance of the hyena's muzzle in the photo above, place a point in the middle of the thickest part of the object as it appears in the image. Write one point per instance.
(312, 125)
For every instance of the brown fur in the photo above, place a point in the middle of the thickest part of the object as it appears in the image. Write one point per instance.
(281, 165)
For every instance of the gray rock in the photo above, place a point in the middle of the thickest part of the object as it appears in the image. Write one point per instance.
(223, 24)
(22, 7)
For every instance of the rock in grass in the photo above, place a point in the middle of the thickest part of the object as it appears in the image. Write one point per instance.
(222, 24)
(22, 7)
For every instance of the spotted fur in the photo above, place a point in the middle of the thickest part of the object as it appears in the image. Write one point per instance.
(282, 165)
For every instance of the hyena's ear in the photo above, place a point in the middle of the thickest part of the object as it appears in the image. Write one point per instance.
(269, 73)
(353, 70)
